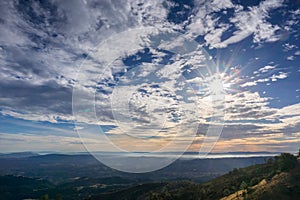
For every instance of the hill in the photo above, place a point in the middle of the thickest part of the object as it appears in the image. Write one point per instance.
(256, 181)
(19, 187)
(278, 178)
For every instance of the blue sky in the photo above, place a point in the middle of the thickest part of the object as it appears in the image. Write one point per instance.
(138, 76)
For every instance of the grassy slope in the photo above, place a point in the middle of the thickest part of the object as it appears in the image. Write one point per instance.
(285, 185)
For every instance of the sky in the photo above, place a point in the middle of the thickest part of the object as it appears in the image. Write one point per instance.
(219, 75)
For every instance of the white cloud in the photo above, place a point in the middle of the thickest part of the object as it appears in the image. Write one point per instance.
(213, 38)
(281, 75)
(254, 22)
(247, 105)
(249, 84)
(40, 59)
(266, 68)
(218, 5)
(288, 47)
(273, 78)
(42, 51)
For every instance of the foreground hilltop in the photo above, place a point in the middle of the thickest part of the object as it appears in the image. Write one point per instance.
(278, 178)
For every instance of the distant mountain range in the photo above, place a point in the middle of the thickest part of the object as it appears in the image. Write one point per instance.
(60, 167)
(18, 155)
(227, 154)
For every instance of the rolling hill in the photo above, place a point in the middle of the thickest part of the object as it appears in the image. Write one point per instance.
(278, 178)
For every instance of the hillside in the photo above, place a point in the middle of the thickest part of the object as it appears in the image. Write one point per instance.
(19, 187)
(285, 185)
(278, 178)
(282, 186)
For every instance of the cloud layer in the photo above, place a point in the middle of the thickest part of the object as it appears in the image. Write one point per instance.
(43, 46)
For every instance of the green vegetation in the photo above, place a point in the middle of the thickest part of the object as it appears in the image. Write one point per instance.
(285, 162)
(18, 187)
(45, 197)
(282, 171)
(277, 178)
(244, 186)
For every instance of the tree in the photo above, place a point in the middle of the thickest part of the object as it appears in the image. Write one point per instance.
(270, 161)
(235, 170)
(226, 192)
(243, 186)
(286, 161)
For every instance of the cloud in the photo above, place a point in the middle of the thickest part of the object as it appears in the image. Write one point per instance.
(29, 142)
(247, 106)
(266, 68)
(242, 23)
(265, 71)
(281, 75)
(218, 5)
(250, 127)
(24, 100)
(254, 22)
(288, 47)
(249, 84)
(42, 49)
(43, 46)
